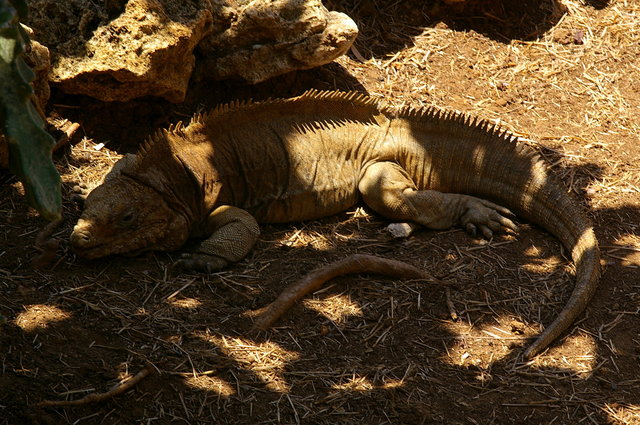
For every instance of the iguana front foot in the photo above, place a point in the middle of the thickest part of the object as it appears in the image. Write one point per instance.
(201, 263)
(480, 215)
(231, 231)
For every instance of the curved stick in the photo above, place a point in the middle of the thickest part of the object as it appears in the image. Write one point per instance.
(357, 263)
(98, 397)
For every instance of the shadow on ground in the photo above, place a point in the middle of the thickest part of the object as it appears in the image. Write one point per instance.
(390, 26)
(363, 349)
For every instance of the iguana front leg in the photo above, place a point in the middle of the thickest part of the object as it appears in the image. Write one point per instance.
(233, 233)
(387, 188)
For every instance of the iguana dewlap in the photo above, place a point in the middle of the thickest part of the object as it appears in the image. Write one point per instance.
(316, 155)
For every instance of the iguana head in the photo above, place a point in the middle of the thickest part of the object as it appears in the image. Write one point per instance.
(123, 216)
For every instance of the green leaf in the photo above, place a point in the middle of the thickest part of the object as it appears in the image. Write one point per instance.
(29, 145)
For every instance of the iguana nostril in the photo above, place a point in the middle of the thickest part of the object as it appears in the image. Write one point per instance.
(80, 237)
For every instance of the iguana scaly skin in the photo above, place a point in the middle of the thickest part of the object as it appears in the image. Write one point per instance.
(316, 155)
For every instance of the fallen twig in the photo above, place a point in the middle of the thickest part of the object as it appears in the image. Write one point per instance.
(98, 397)
(66, 136)
(452, 308)
(358, 263)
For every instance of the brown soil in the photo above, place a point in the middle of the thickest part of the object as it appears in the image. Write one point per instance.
(364, 349)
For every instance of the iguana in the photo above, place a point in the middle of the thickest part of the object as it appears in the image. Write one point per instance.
(315, 155)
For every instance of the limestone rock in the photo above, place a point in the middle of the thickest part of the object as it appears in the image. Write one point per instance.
(122, 50)
(38, 58)
(117, 50)
(259, 39)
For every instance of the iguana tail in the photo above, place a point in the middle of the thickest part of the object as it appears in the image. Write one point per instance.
(474, 157)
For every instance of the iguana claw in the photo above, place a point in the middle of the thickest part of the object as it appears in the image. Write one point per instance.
(487, 217)
(80, 193)
(201, 263)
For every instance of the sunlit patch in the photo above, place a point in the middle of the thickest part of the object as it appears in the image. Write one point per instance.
(539, 263)
(356, 383)
(267, 360)
(304, 238)
(575, 353)
(626, 251)
(39, 316)
(186, 303)
(124, 373)
(211, 383)
(622, 414)
(450, 257)
(483, 344)
(20, 191)
(362, 384)
(335, 308)
(631, 260)
(543, 266)
(391, 383)
(532, 251)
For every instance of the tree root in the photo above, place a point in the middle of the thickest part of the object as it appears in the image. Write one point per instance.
(357, 263)
(99, 397)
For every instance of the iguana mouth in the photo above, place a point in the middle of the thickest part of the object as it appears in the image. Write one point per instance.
(104, 249)
(81, 242)
(87, 246)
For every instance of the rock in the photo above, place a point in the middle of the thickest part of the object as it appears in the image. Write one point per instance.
(37, 57)
(402, 230)
(259, 39)
(118, 51)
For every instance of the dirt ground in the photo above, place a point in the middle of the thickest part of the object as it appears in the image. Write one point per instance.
(365, 349)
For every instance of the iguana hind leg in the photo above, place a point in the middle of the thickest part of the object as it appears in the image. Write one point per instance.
(233, 233)
(387, 188)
